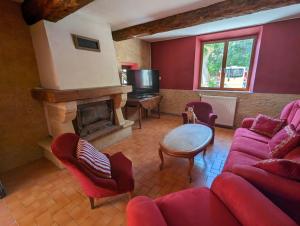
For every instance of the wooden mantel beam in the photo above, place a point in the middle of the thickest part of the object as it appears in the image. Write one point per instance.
(218, 11)
(52, 10)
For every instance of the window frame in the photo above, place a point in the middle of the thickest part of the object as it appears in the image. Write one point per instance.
(224, 61)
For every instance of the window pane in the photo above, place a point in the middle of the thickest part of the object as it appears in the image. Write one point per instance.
(212, 64)
(238, 63)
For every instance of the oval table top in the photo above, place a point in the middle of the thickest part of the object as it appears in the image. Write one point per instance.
(187, 138)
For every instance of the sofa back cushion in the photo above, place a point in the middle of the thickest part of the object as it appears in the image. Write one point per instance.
(247, 203)
(282, 191)
(291, 113)
(284, 141)
(266, 125)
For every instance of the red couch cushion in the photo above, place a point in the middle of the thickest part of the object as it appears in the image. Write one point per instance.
(282, 167)
(284, 141)
(294, 154)
(236, 157)
(247, 204)
(291, 113)
(92, 160)
(266, 125)
(251, 147)
(143, 211)
(243, 132)
(194, 207)
(282, 191)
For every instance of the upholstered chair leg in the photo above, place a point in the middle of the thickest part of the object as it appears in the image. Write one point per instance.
(130, 195)
(213, 136)
(92, 202)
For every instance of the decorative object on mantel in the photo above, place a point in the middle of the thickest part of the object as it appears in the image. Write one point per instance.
(86, 43)
(2, 191)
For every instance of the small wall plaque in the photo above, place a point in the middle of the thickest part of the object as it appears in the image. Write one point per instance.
(86, 43)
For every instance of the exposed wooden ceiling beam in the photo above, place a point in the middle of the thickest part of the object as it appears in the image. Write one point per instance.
(52, 10)
(218, 11)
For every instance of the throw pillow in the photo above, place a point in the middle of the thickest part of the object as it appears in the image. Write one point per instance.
(92, 160)
(266, 125)
(284, 141)
(282, 167)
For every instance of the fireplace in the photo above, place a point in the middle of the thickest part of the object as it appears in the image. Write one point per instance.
(95, 114)
(95, 119)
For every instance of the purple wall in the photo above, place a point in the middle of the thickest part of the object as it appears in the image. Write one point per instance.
(277, 69)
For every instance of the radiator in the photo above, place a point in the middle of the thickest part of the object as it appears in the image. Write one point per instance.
(224, 107)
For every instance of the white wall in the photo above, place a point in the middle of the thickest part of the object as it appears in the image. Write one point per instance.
(61, 66)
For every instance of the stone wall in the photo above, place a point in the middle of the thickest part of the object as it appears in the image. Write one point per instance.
(22, 119)
(134, 51)
(249, 104)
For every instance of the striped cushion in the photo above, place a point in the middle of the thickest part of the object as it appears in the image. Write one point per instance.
(92, 160)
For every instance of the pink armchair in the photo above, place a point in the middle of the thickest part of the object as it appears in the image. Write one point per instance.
(204, 113)
(64, 148)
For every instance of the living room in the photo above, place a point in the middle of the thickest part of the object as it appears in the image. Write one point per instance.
(138, 113)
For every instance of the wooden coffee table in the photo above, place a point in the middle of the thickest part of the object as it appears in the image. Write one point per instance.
(186, 141)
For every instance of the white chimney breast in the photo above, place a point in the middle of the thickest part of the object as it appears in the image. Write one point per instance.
(62, 66)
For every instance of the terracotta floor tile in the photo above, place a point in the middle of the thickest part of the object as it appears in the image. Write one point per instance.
(41, 194)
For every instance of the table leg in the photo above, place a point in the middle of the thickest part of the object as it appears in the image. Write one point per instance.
(204, 152)
(140, 116)
(191, 160)
(126, 111)
(158, 110)
(161, 159)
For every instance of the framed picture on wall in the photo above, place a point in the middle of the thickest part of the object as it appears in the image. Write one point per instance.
(85, 43)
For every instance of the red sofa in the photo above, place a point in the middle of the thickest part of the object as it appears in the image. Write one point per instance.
(231, 201)
(245, 195)
(248, 148)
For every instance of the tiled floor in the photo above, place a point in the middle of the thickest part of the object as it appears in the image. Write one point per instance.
(40, 194)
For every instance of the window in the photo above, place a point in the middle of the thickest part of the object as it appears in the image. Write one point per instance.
(227, 64)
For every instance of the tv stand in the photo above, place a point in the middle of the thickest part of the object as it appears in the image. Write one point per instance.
(142, 95)
(144, 103)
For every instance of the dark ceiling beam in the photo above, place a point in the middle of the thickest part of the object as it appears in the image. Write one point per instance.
(52, 10)
(218, 11)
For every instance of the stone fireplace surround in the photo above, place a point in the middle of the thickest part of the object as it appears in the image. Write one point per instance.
(61, 109)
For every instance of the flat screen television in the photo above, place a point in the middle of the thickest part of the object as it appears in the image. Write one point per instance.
(143, 81)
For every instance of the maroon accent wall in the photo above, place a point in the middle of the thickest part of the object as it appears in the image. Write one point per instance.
(175, 60)
(277, 69)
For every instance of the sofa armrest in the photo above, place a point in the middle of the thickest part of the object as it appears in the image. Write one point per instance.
(247, 204)
(247, 122)
(143, 211)
(212, 119)
(272, 184)
(184, 117)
